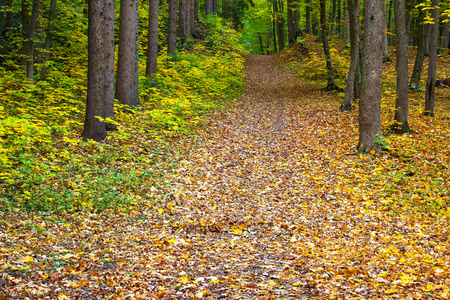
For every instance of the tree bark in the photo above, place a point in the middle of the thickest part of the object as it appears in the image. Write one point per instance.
(443, 45)
(48, 39)
(386, 57)
(9, 22)
(333, 19)
(429, 94)
(326, 49)
(418, 64)
(308, 17)
(152, 39)
(290, 21)
(108, 50)
(401, 103)
(127, 63)
(29, 35)
(370, 135)
(94, 128)
(2, 17)
(278, 9)
(172, 27)
(347, 23)
(208, 7)
(354, 6)
(182, 20)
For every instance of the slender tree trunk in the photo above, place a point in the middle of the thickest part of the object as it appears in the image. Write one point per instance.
(290, 22)
(274, 28)
(269, 40)
(353, 6)
(108, 50)
(339, 19)
(152, 39)
(347, 23)
(278, 9)
(386, 57)
(333, 19)
(48, 39)
(192, 16)
(370, 136)
(401, 104)
(2, 17)
(172, 30)
(429, 94)
(127, 63)
(443, 45)
(418, 64)
(326, 49)
(428, 28)
(308, 17)
(214, 7)
(182, 20)
(296, 9)
(389, 20)
(29, 34)
(9, 22)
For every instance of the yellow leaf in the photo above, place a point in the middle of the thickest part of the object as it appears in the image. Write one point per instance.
(214, 207)
(391, 291)
(272, 283)
(184, 279)
(296, 284)
(160, 210)
(200, 294)
(26, 259)
(26, 267)
(237, 231)
(172, 241)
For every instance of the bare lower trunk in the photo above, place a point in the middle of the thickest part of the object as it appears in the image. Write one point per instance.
(429, 94)
(326, 49)
(127, 63)
(386, 57)
(370, 136)
(108, 42)
(290, 21)
(172, 31)
(353, 6)
(418, 64)
(48, 39)
(401, 104)
(347, 23)
(308, 17)
(443, 45)
(152, 39)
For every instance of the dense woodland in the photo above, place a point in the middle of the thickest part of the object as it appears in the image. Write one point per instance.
(224, 149)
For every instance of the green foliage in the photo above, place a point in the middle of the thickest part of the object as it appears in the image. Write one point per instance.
(45, 166)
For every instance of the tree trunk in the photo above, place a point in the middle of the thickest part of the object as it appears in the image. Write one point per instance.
(29, 35)
(333, 19)
(48, 39)
(2, 17)
(386, 57)
(347, 23)
(308, 17)
(152, 39)
(401, 103)
(127, 63)
(9, 22)
(290, 22)
(99, 71)
(444, 38)
(418, 64)
(109, 49)
(172, 27)
(354, 7)
(278, 9)
(426, 48)
(429, 94)
(326, 49)
(296, 9)
(370, 135)
(208, 7)
(192, 16)
(274, 34)
(339, 19)
(182, 20)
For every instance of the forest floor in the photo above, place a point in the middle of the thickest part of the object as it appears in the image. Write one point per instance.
(269, 203)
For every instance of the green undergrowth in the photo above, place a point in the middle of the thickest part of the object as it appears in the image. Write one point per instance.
(46, 166)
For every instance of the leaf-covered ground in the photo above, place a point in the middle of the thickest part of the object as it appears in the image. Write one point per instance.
(269, 203)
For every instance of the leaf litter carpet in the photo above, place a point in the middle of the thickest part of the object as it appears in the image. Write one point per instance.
(269, 203)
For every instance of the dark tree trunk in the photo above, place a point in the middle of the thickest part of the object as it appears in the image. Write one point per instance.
(208, 7)
(401, 103)
(274, 34)
(9, 22)
(389, 20)
(296, 9)
(333, 19)
(429, 94)
(290, 21)
(386, 57)
(353, 6)
(172, 30)
(347, 23)
(443, 45)
(278, 9)
(28, 39)
(100, 70)
(339, 19)
(418, 64)
(152, 39)
(370, 136)
(326, 49)
(426, 49)
(2, 17)
(308, 17)
(48, 39)
(214, 7)
(127, 63)
(183, 19)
